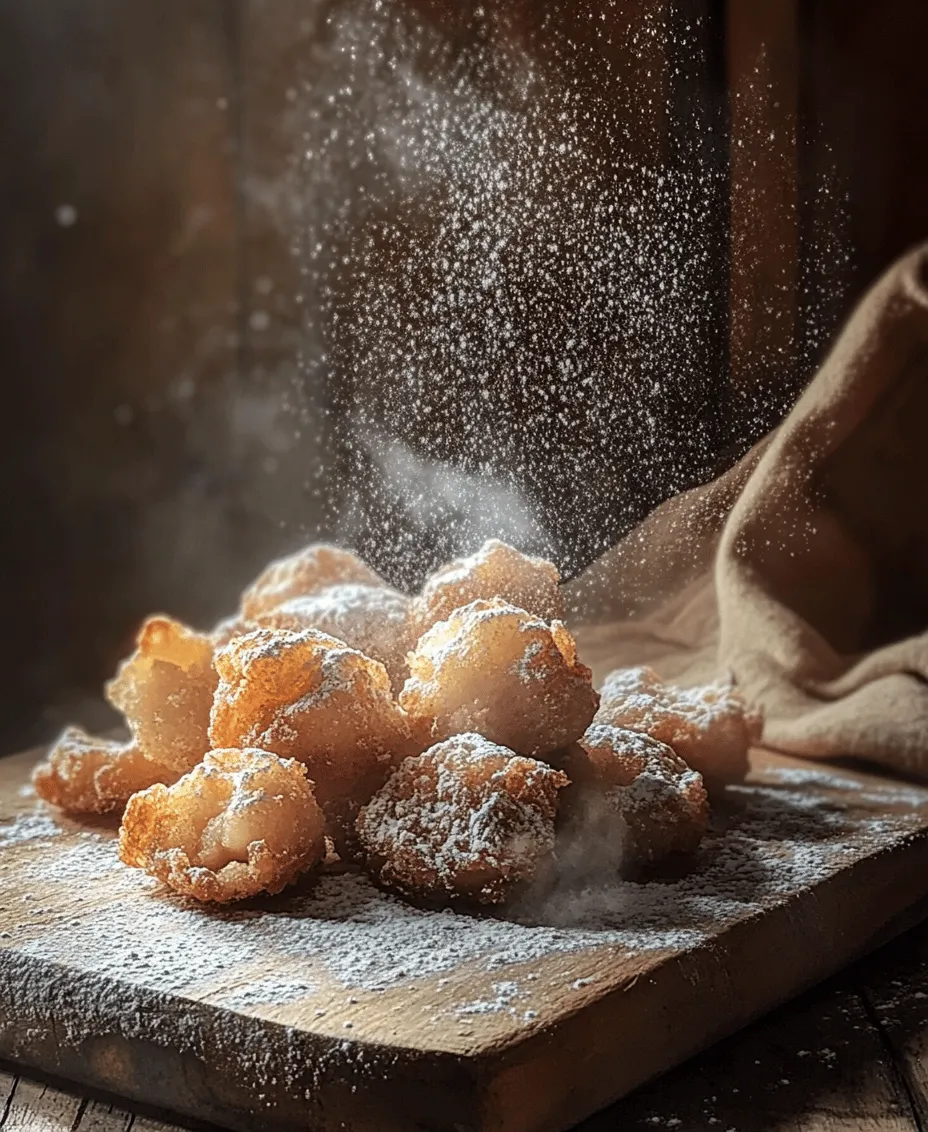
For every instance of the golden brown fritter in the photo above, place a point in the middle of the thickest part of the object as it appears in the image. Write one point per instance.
(466, 819)
(495, 571)
(298, 575)
(496, 670)
(374, 620)
(710, 727)
(631, 800)
(165, 691)
(308, 696)
(241, 823)
(84, 774)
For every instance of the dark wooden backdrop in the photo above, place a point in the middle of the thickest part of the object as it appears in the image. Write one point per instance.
(152, 195)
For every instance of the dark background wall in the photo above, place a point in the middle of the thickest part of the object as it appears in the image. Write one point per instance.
(180, 403)
(864, 99)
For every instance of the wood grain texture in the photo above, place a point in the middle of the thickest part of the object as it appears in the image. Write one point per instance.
(896, 1000)
(41, 1106)
(37, 1108)
(817, 1065)
(97, 983)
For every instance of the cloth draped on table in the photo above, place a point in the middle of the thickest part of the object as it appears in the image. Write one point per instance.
(803, 571)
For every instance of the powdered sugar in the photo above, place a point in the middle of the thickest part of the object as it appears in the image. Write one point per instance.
(708, 726)
(506, 993)
(902, 794)
(90, 859)
(269, 991)
(494, 571)
(340, 606)
(465, 817)
(28, 826)
(345, 929)
(374, 620)
(812, 776)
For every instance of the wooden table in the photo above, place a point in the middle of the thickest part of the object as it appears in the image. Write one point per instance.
(850, 1055)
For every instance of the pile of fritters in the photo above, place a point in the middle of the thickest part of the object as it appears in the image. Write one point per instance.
(449, 743)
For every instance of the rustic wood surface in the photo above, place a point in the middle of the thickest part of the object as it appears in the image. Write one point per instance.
(78, 1000)
(849, 1056)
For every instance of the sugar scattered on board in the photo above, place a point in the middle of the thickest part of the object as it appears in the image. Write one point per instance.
(267, 991)
(30, 826)
(345, 929)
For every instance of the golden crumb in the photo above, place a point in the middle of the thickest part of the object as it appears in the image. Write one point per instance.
(241, 823)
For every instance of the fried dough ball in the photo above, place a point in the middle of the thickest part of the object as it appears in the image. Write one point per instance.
(495, 571)
(298, 575)
(240, 823)
(165, 691)
(632, 800)
(709, 727)
(83, 774)
(466, 819)
(308, 696)
(497, 670)
(374, 620)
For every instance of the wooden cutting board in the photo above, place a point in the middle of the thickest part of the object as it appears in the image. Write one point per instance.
(337, 1007)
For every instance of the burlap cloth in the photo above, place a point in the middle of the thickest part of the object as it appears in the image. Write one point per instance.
(803, 571)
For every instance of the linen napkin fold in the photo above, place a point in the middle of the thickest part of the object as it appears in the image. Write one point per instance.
(802, 572)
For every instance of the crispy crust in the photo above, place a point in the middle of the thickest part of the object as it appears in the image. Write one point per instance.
(374, 620)
(710, 727)
(308, 696)
(495, 571)
(306, 572)
(241, 823)
(84, 774)
(466, 819)
(496, 670)
(165, 691)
